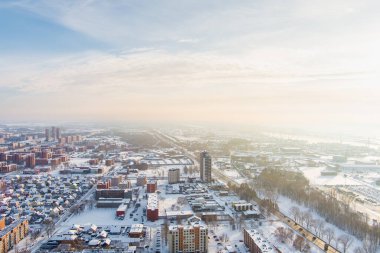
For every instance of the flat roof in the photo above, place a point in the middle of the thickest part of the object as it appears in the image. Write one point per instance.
(136, 228)
(263, 244)
(152, 201)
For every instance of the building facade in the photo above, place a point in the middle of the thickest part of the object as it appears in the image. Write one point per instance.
(152, 207)
(192, 237)
(174, 176)
(47, 134)
(30, 161)
(256, 243)
(205, 166)
(151, 186)
(12, 234)
(242, 206)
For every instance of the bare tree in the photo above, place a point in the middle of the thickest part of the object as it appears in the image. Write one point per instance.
(329, 234)
(300, 243)
(319, 226)
(280, 234)
(49, 227)
(27, 244)
(369, 246)
(284, 234)
(34, 235)
(359, 250)
(295, 212)
(345, 241)
(307, 219)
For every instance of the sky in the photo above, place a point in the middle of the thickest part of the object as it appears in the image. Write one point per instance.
(291, 63)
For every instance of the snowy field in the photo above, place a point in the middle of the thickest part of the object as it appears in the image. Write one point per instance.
(313, 174)
(98, 216)
(231, 173)
(79, 161)
(234, 175)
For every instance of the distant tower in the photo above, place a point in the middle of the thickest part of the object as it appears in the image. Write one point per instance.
(53, 133)
(205, 166)
(58, 133)
(47, 135)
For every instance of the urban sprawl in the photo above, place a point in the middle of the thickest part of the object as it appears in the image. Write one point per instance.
(93, 189)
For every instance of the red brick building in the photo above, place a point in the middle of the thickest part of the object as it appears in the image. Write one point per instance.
(151, 186)
(152, 207)
(30, 161)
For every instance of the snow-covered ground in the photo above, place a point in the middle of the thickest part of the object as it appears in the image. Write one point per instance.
(223, 230)
(313, 174)
(267, 229)
(362, 185)
(79, 161)
(96, 216)
(233, 174)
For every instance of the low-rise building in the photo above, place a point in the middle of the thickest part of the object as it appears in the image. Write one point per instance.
(256, 243)
(242, 206)
(137, 231)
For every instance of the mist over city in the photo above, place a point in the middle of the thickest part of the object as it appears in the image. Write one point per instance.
(190, 126)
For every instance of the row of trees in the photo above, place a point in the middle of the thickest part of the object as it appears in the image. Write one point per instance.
(287, 236)
(295, 186)
(244, 191)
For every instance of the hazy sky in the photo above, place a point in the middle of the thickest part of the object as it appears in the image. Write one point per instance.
(285, 62)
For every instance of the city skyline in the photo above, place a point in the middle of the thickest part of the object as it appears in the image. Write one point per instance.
(287, 63)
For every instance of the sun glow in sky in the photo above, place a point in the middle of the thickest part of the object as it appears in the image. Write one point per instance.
(281, 63)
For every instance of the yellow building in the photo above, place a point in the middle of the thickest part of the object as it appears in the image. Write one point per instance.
(13, 234)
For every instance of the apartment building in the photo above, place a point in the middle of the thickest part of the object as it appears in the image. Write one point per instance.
(191, 237)
(256, 243)
(174, 176)
(12, 234)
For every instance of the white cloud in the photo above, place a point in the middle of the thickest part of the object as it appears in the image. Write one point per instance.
(161, 70)
(276, 60)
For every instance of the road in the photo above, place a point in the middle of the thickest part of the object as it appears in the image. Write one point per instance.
(284, 218)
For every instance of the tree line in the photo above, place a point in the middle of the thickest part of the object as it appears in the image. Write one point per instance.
(294, 185)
